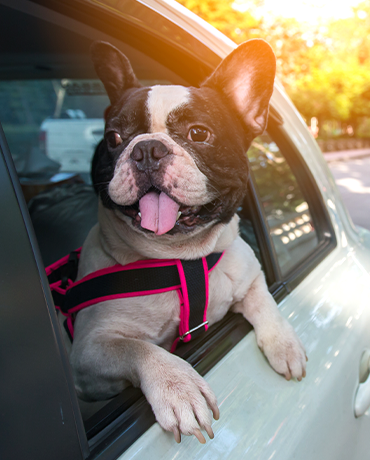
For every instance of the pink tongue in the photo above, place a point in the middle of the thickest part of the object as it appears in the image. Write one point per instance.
(158, 212)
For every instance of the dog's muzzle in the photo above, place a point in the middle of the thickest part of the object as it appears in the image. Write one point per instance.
(156, 211)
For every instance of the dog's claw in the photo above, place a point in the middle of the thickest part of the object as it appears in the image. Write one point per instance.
(176, 433)
(198, 434)
(215, 411)
(209, 431)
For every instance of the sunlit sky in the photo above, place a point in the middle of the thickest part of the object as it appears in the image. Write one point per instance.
(309, 11)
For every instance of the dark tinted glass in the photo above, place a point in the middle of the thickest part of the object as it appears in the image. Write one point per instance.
(287, 212)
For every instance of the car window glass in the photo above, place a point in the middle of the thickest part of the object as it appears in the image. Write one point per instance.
(53, 126)
(287, 213)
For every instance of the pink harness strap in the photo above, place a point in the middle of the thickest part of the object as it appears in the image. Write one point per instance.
(144, 277)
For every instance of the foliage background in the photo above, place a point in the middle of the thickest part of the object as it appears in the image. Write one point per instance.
(325, 68)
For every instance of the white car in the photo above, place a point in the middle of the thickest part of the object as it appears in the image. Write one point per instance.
(316, 262)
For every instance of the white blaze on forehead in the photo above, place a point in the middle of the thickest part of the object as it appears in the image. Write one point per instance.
(161, 101)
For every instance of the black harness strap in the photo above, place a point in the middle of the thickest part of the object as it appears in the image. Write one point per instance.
(138, 281)
(190, 277)
(213, 259)
(197, 286)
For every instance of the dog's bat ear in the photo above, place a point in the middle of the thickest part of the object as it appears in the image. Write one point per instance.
(246, 76)
(113, 69)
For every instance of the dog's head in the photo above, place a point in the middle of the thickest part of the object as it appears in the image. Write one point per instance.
(173, 159)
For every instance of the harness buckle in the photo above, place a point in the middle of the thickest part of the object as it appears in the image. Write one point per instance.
(192, 330)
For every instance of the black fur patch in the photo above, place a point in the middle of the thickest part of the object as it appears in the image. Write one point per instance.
(223, 160)
(129, 118)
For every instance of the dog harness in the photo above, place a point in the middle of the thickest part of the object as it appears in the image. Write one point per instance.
(144, 277)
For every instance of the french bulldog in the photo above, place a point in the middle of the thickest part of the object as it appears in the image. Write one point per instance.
(171, 173)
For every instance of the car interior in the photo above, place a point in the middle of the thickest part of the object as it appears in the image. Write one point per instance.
(52, 101)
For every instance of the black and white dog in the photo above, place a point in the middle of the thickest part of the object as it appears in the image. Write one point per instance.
(171, 173)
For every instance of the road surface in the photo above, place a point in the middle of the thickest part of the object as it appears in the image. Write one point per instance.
(352, 176)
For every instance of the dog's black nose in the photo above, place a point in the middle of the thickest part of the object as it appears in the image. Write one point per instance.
(148, 154)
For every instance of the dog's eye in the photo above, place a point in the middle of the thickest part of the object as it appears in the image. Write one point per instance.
(113, 139)
(199, 134)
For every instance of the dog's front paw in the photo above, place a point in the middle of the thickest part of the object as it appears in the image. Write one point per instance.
(180, 398)
(283, 349)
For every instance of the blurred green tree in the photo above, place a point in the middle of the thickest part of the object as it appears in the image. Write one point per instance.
(325, 69)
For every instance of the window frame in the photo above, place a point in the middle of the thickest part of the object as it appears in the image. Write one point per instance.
(54, 381)
(165, 47)
(115, 430)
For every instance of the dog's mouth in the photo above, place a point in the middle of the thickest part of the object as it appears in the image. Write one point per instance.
(158, 213)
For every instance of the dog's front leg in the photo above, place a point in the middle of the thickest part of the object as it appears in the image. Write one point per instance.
(180, 398)
(275, 336)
